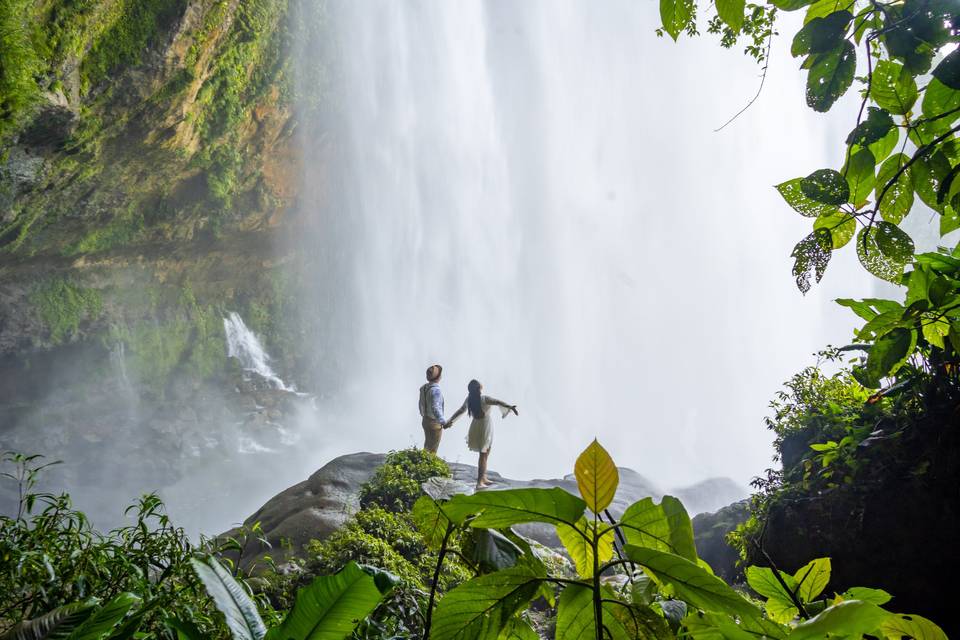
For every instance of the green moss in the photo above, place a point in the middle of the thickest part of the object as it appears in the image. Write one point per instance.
(19, 64)
(139, 25)
(62, 306)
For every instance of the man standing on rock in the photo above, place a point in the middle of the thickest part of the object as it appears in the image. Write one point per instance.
(431, 409)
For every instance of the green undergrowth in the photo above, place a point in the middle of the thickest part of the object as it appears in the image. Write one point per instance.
(63, 305)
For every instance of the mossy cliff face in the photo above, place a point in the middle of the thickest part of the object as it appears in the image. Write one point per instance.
(148, 168)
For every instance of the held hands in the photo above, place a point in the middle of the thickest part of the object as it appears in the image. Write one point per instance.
(513, 408)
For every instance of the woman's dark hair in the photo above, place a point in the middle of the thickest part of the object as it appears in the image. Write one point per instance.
(474, 404)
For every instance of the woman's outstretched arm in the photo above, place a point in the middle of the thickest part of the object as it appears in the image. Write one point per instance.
(456, 414)
(501, 403)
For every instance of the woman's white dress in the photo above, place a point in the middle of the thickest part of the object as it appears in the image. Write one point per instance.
(480, 435)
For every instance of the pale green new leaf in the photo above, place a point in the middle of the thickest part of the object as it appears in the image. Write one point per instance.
(692, 583)
(665, 526)
(481, 608)
(850, 618)
(718, 626)
(231, 599)
(675, 15)
(763, 581)
(501, 509)
(331, 606)
(597, 477)
(875, 596)
(580, 549)
(781, 611)
(812, 579)
(841, 227)
(914, 626)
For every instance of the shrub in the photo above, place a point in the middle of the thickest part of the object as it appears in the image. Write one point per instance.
(396, 484)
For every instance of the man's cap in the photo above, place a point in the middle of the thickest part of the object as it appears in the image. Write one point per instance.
(433, 372)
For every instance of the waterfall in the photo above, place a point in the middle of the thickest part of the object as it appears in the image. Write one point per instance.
(532, 194)
(243, 344)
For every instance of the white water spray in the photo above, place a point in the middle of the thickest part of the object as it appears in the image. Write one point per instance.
(243, 344)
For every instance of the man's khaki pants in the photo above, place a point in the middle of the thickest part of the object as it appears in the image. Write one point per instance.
(431, 435)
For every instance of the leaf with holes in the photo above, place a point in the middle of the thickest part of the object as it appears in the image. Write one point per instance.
(913, 626)
(898, 195)
(927, 175)
(731, 12)
(825, 186)
(948, 71)
(675, 15)
(877, 125)
(821, 35)
(792, 193)
(875, 260)
(893, 87)
(811, 256)
(830, 75)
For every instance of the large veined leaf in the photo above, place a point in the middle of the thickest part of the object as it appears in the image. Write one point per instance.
(331, 606)
(927, 175)
(621, 621)
(821, 34)
(580, 548)
(731, 12)
(692, 583)
(938, 98)
(675, 15)
(106, 617)
(780, 611)
(840, 226)
(430, 521)
(850, 618)
(481, 608)
(893, 87)
(830, 75)
(231, 599)
(885, 145)
(665, 526)
(763, 581)
(717, 626)
(54, 625)
(792, 193)
(491, 550)
(826, 186)
(886, 265)
(898, 197)
(914, 626)
(889, 352)
(860, 176)
(875, 128)
(501, 509)
(597, 477)
(812, 579)
(518, 629)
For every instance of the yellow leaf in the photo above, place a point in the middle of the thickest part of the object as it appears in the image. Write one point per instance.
(597, 477)
(580, 548)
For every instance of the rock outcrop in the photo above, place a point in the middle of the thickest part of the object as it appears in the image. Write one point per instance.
(316, 507)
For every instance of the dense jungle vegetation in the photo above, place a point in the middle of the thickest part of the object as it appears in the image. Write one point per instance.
(867, 440)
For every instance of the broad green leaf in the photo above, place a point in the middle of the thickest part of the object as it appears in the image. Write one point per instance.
(893, 87)
(790, 5)
(692, 583)
(825, 186)
(330, 607)
(935, 330)
(897, 197)
(185, 629)
(914, 626)
(849, 618)
(885, 145)
(105, 618)
(811, 256)
(231, 599)
(518, 629)
(430, 521)
(580, 549)
(918, 285)
(492, 551)
(889, 352)
(717, 626)
(501, 509)
(948, 71)
(841, 226)
(859, 307)
(927, 174)
(894, 243)
(812, 579)
(949, 221)
(764, 581)
(860, 176)
(875, 596)
(575, 616)
(597, 477)
(54, 625)
(881, 324)
(793, 194)
(830, 76)
(631, 622)
(675, 15)
(781, 611)
(481, 608)
(888, 266)
(938, 99)
(731, 12)
(823, 8)
(876, 127)
(665, 526)
(821, 34)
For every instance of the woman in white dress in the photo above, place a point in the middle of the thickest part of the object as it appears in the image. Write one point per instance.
(480, 436)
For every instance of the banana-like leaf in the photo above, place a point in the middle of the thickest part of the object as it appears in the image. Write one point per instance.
(105, 618)
(581, 550)
(597, 477)
(233, 602)
(54, 625)
(502, 509)
(665, 527)
(331, 606)
(480, 609)
(692, 583)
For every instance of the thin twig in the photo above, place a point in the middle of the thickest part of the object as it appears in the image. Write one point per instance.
(763, 79)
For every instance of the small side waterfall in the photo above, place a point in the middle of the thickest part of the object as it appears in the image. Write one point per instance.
(243, 344)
